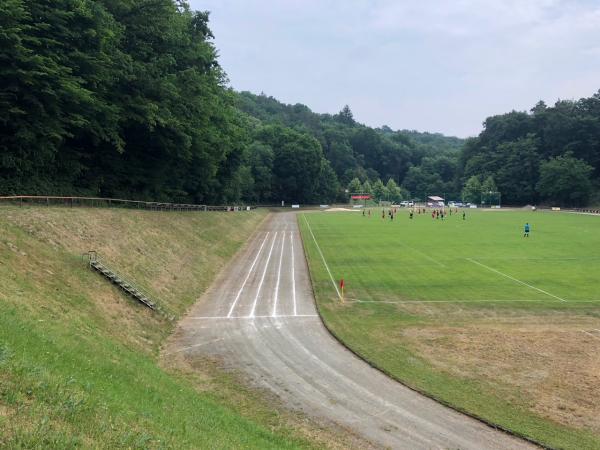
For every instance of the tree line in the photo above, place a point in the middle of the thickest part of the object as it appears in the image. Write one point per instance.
(127, 99)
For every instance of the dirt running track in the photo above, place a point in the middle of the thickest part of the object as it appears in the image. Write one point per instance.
(259, 317)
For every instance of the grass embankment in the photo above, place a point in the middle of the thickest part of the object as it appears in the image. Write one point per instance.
(79, 361)
(458, 325)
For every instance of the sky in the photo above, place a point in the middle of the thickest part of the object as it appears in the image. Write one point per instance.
(429, 65)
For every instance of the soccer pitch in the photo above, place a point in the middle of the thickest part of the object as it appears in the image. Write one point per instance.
(471, 312)
(483, 259)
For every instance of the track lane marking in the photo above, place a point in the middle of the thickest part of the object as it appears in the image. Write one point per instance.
(237, 297)
(323, 258)
(293, 275)
(278, 275)
(514, 279)
(262, 278)
(284, 316)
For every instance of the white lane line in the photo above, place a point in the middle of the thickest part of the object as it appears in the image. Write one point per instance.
(284, 316)
(278, 275)
(401, 302)
(424, 255)
(262, 279)
(237, 297)
(514, 279)
(591, 334)
(293, 274)
(183, 349)
(323, 258)
(462, 301)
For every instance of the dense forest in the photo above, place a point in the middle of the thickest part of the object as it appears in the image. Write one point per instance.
(127, 99)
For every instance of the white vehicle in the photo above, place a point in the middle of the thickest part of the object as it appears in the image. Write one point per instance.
(404, 203)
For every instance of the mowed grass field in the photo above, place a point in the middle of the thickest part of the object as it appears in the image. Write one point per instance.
(472, 313)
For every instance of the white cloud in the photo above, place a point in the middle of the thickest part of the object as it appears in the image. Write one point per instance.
(432, 65)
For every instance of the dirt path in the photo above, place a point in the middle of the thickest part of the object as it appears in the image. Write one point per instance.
(259, 317)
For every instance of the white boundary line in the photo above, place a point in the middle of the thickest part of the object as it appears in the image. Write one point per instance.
(425, 255)
(323, 258)
(278, 276)
(237, 297)
(591, 334)
(284, 316)
(402, 302)
(514, 279)
(293, 274)
(262, 279)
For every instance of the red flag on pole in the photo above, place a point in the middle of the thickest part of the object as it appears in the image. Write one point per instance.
(342, 283)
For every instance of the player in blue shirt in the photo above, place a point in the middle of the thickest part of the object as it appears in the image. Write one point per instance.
(526, 230)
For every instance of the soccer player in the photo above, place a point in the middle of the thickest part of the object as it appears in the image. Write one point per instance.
(464, 215)
(411, 214)
(526, 234)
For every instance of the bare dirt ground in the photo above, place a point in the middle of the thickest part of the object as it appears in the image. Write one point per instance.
(529, 355)
(259, 320)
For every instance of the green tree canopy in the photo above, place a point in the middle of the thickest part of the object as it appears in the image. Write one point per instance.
(565, 180)
(472, 190)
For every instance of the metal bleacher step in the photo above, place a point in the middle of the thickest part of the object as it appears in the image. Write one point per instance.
(119, 281)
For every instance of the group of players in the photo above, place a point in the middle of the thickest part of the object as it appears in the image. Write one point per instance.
(435, 213)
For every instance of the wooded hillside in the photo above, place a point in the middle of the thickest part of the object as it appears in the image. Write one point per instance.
(127, 99)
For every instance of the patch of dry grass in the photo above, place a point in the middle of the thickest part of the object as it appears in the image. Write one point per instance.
(545, 360)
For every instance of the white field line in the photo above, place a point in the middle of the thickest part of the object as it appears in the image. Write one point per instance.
(278, 275)
(514, 279)
(284, 316)
(262, 278)
(590, 334)
(237, 297)
(323, 258)
(293, 275)
(424, 255)
(401, 302)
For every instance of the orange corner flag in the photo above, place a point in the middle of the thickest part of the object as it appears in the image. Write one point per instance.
(342, 287)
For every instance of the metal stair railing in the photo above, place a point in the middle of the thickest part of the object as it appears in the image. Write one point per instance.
(123, 282)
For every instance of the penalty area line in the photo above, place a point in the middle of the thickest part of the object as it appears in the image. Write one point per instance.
(590, 334)
(514, 279)
(323, 258)
(402, 302)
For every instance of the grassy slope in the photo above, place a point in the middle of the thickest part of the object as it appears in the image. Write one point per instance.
(426, 260)
(78, 361)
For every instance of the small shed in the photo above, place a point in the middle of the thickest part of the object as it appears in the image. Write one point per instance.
(435, 200)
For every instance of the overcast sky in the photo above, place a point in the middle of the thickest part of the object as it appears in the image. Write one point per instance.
(431, 65)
